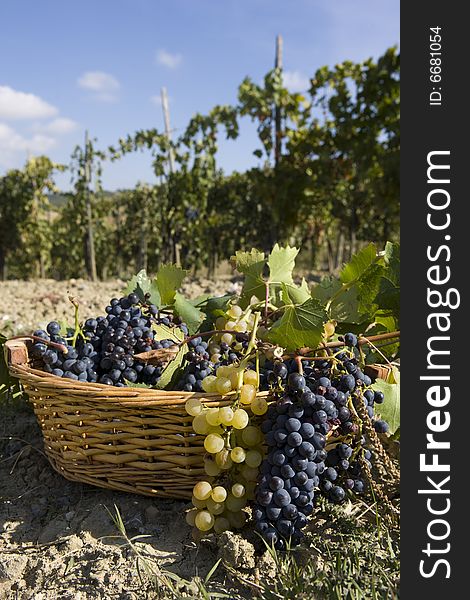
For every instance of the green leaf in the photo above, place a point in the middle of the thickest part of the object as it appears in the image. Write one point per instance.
(137, 385)
(170, 371)
(191, 315)
(251, 264)
(162, 332)
(345, 306)
(281, 263)
(390, 409)
(298, 294)
(358, 264)
(299, 326)
(169, 280)
(141, 284)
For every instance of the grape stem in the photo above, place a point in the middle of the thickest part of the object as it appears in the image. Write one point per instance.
(338, 344)
(212, 332)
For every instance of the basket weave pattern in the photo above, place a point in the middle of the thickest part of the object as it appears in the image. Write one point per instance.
(130, 439)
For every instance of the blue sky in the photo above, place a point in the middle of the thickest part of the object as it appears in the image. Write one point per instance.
(99, 65)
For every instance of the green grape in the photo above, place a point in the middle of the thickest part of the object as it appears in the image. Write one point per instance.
(235, 311)
(191, 517)
(252, 435)
(247, 393)
(249, 473)
(240, 419)
(211, 468)
(213, 443)
(193, 406)
(238, 454)
(234, 379)
(200, 424)
(202, 490)
(204, 521)
(226, 415)
(238, 490)
(220, 323)
(250, 377)
(213, 417)
(223, 385)
(215, 358)
(215, 508)
(221, 524)
(198, 503)
(259, 406)
(253, 458)
(219, 494)
(241, 327)
(235, 504)
(223, 459)
(208, 384)
(227, 338)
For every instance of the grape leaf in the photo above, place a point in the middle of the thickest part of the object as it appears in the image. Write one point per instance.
(170, 371)
(345, 307)
(298, 294)
(300, 326)
(191, 315)
(141, 284)
(169, 280)
(390, 409)
(162, 332)
(251, 264)
(281, 263)
(358, 264)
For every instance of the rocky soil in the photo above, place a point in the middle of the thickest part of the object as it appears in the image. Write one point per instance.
(59, 539)
(28, 305)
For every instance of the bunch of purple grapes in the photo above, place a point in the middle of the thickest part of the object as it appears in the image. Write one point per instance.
(313, 409)
(105, 351)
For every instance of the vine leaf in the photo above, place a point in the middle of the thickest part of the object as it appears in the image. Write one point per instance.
(251, 264)
(191, 315)
(141, 284)
(281, 263)
(169, 373)
(358, 264)
(162, 332)
(390, 408)
(156, 357)
(298, 294)
(169, 280)
(300, 326)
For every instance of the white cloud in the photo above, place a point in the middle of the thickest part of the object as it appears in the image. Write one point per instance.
(59, 126)
(172, 61)
(295, 81)
(12, 144)
(22, 105)
(104, 85)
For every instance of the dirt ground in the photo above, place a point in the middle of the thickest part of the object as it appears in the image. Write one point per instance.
(29, 305)
(58, 539)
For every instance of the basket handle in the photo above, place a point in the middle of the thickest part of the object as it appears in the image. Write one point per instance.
(16, 351)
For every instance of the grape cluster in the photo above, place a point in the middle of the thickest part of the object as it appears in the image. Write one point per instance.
(314, 441)
(234, 448)
(105, 348)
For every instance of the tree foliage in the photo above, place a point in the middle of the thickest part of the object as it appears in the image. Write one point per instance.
(332, 188)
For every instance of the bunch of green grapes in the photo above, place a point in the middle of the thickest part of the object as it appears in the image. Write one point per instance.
(236, 320)
(231, 378)
(234, 449)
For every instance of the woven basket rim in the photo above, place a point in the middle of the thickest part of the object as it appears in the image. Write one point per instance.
(41, 379)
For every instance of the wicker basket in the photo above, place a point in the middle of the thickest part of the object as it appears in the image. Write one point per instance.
(130, 439)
